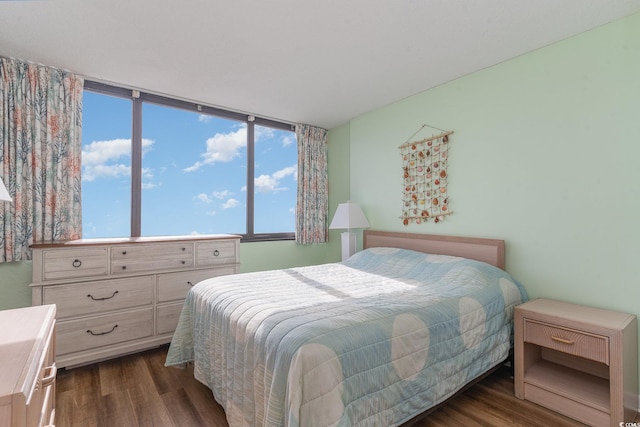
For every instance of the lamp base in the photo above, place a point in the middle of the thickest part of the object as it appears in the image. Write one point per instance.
(348, 244)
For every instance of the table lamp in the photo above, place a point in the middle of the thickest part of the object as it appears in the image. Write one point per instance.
(4, 194)
(348, 215)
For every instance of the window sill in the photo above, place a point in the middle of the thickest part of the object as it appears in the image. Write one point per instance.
(267, 237)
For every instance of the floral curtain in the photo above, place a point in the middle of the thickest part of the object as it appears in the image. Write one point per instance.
(312, 210)
(40, 155)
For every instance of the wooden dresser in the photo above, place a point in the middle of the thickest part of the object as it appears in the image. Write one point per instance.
(27, 368)
(577, 360)
(117, 296)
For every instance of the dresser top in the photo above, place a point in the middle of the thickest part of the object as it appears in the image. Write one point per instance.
(564, 312)
(129, 240)
(23, 332)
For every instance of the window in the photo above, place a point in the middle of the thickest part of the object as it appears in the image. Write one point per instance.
(190, 169)
(106, 166)
(275, 184)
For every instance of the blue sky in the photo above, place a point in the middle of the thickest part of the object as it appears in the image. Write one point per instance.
(194, 172)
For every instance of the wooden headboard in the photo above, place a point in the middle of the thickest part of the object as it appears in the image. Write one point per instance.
(490, 251)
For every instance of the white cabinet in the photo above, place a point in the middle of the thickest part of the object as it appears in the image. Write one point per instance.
(577, 360)
(27, 368)
(117, 296)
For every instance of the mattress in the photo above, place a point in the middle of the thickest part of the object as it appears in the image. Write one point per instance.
(373, 340)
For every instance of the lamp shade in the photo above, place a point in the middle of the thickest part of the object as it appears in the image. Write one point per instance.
(349, 215)
(4, 194)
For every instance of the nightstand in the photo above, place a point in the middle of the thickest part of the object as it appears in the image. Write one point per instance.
(576, 360)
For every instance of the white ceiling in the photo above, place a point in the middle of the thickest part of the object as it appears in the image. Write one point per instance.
(321, 62)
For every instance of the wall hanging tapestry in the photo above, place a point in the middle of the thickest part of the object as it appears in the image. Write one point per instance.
(425, 177)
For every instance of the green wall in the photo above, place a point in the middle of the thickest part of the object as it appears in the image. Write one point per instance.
(14, 284)
(545, 155)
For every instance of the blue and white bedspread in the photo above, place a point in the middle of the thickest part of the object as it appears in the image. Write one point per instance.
(371, 341)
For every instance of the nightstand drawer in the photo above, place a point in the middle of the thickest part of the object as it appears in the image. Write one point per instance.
(570, 341)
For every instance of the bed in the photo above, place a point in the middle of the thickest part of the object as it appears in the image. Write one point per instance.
(377, 339)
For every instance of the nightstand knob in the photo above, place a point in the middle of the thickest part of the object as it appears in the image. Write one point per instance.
(216, 253)
(76, 263)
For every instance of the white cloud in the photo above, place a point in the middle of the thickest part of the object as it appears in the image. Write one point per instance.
(90, 173)
(221, 194)
(203, 198)
(204, 118)
(271, 183)
(206, 198)
(110, 159)
(290, 170)
(148, 175)
(231, 203)
(263, 132)
(266, 133)
(223, 147)
(288, 140)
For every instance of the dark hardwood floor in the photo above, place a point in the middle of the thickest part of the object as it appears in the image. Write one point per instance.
(138, 390)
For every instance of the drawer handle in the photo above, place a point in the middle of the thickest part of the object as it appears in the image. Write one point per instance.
(563, 340)
(189, 283)
(184, 249)
(50, 375)
(124, 252)
(124, 267)
(184, 262)
(89, 331)
(101, 299)
(216, 253)
(76, 263)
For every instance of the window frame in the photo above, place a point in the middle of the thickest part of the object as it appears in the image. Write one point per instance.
(138, 98)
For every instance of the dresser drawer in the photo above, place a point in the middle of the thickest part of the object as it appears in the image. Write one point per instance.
(40, 406)
(148, 252)
(151, 258)
(167, 317)
(84, 334)
(97, 297)
(216, 252)
(72, 263)
(569, 341)
(174, 286)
